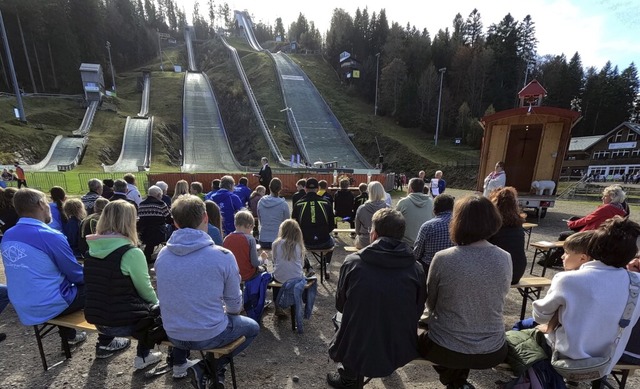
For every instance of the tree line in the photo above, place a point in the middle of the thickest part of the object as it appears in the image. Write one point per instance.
(481, 69)
(49, 39)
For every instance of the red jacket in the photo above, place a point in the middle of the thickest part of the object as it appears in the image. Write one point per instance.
(595, 218)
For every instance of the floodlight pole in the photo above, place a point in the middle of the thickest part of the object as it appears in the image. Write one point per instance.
(113, 76)
(375, 107)
(441, 71)
(14, 80)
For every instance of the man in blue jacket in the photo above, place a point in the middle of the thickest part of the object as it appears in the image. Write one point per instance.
(38, 258)
(242, 191)
(228, 202)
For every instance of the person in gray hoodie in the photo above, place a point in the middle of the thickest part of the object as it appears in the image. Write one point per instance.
(205, 315)
(272, 211)
(365, 213)
(416, 208)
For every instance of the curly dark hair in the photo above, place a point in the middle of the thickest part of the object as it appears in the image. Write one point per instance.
(506, 200)
(614, 242)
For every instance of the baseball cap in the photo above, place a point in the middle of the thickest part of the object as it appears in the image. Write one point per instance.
(312, 183)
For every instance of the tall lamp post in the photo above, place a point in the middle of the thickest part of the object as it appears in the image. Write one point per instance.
(12, 70)
(113, 76)
(375, 107)
(441, 71)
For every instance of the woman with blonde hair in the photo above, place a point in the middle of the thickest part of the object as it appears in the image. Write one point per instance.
(510, 236)
(75, 212)
(288, 256)
(182, 188)
(214, 227)
(119, 291)
(365, 212)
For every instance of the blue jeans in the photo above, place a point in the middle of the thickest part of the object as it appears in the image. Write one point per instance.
(238, 326)
(106, 335)
(4, 297)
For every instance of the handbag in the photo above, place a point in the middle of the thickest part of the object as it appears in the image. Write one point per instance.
(149, 330)
(589, 369)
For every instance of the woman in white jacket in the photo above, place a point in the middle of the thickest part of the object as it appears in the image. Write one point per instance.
(590, 301)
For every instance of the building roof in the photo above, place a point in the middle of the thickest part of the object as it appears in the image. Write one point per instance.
(90, 67)
(532, 89)
(581, 143)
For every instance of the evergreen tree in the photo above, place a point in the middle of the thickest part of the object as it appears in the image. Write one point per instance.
(392, 83)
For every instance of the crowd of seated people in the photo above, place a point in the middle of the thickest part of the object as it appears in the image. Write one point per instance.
(434, 263)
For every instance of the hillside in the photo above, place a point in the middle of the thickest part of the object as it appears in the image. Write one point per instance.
(405, 149)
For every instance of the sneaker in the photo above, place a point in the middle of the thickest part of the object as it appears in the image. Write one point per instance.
(180, 371)
(3, 337)
(116, 344)
(140, 363)
(467, 385)
(199, 378)
(310, 273)
(335, 380)
(80, 337)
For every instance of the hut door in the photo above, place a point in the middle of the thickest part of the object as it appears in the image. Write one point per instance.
(522, 154)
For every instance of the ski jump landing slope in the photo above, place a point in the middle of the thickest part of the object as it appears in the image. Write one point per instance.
(321, 133)
(317, 132)
(205, 144)
(135, 154)
(65, 152)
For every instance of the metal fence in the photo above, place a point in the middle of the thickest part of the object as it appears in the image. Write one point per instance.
(44, 181)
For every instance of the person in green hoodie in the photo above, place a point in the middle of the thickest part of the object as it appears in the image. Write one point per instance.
(118, 286)
(416, 208)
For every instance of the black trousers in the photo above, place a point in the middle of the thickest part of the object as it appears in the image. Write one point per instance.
(454, 367)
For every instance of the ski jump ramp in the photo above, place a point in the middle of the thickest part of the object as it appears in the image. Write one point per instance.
(205, 146)
(65, 152)
(135, 154)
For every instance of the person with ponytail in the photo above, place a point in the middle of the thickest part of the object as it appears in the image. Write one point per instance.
(58, 217)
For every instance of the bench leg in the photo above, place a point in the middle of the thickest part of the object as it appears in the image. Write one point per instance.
(523, 309)
(233, 373)
(293, 317)
(36, 329)
(533, 262)
(211, 364)
(323, 267)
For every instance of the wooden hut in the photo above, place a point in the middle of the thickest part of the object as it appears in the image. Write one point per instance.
(531, 140)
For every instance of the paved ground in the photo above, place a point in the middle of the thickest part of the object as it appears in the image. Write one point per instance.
(276, 357)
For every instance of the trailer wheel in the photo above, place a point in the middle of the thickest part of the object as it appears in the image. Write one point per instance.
(543, 213)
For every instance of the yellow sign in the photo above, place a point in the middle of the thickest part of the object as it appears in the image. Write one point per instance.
(356, 74)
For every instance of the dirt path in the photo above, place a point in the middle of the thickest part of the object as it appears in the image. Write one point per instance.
(273, 360)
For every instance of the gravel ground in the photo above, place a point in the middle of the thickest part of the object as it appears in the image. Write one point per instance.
(279, 358)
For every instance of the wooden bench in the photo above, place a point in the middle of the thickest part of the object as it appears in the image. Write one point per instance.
(321, 256)
(350, 249)
(620, 372)
(528, 227)
(530, 289)
(277, 285)
(76, 320)
(545, 249)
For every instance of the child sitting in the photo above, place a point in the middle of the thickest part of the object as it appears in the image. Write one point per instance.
(243, 246)
(75, 211)
(255, 197)
(288, 260)
(288, 256)
(575, 255)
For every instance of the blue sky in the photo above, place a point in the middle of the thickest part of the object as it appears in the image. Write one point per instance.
(598, 30)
